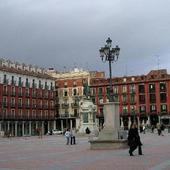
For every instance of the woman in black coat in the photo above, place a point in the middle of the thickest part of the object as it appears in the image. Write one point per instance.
(134, 140)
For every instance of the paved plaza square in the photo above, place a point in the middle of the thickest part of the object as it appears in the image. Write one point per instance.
(51, 153)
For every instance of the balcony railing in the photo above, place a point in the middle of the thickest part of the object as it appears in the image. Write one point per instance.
(11, 116)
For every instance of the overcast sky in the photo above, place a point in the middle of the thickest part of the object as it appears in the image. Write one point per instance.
(66, 33)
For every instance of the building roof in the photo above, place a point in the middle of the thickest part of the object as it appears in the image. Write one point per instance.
(25, 72)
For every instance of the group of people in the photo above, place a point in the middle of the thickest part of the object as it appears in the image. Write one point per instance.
(70, 137)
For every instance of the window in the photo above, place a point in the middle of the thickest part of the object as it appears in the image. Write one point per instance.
(163, 97)
(13, 91)
(132, 88)
(163, 108)
(141, 88)
(19, 102)
(124, 98)
(27, 102)
(115, 90)
(51, 87)
(132, 98)
(100, 91)
(141, 99)
(125, 109)
(152, 108)
(19, 112)
(13, 112)
(5, 81)
(162, 87)
(19, 82)
(27, 92)
(152, 98)
(5, 89)
(27, 83)
(151, 88)
(142, 109)
(12, 80)
(39, 84)
(124, 89)
(12, 100)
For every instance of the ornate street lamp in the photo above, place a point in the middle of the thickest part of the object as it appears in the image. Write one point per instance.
(109, 54)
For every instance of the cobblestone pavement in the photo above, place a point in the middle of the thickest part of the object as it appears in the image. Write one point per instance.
(51, 153)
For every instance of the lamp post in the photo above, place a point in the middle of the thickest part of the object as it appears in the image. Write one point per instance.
(111, 55)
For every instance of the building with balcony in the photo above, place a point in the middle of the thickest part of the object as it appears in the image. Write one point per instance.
(144, 98)
(69, 92)
(27, 99)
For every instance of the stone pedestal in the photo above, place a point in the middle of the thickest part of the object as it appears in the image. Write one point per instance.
(87, 116)
(109, 136)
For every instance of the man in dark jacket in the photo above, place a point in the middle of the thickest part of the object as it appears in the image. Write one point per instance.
(134, 140)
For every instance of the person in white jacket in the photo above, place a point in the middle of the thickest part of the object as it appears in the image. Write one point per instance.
(67, 135)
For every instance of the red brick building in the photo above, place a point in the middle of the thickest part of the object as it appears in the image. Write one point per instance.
(145, 98)
(27, 99)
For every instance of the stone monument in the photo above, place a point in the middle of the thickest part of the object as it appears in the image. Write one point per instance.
(109, 136)
(87, 116)
(87, 112)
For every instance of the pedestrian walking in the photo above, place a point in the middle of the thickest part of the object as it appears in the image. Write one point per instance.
(152, 128)
(73, 138)
(162, 129)
(159, 129)
(144, 128)
(67, 135)
(134, 140)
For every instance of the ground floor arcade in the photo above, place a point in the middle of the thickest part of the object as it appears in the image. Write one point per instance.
(26, 128)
